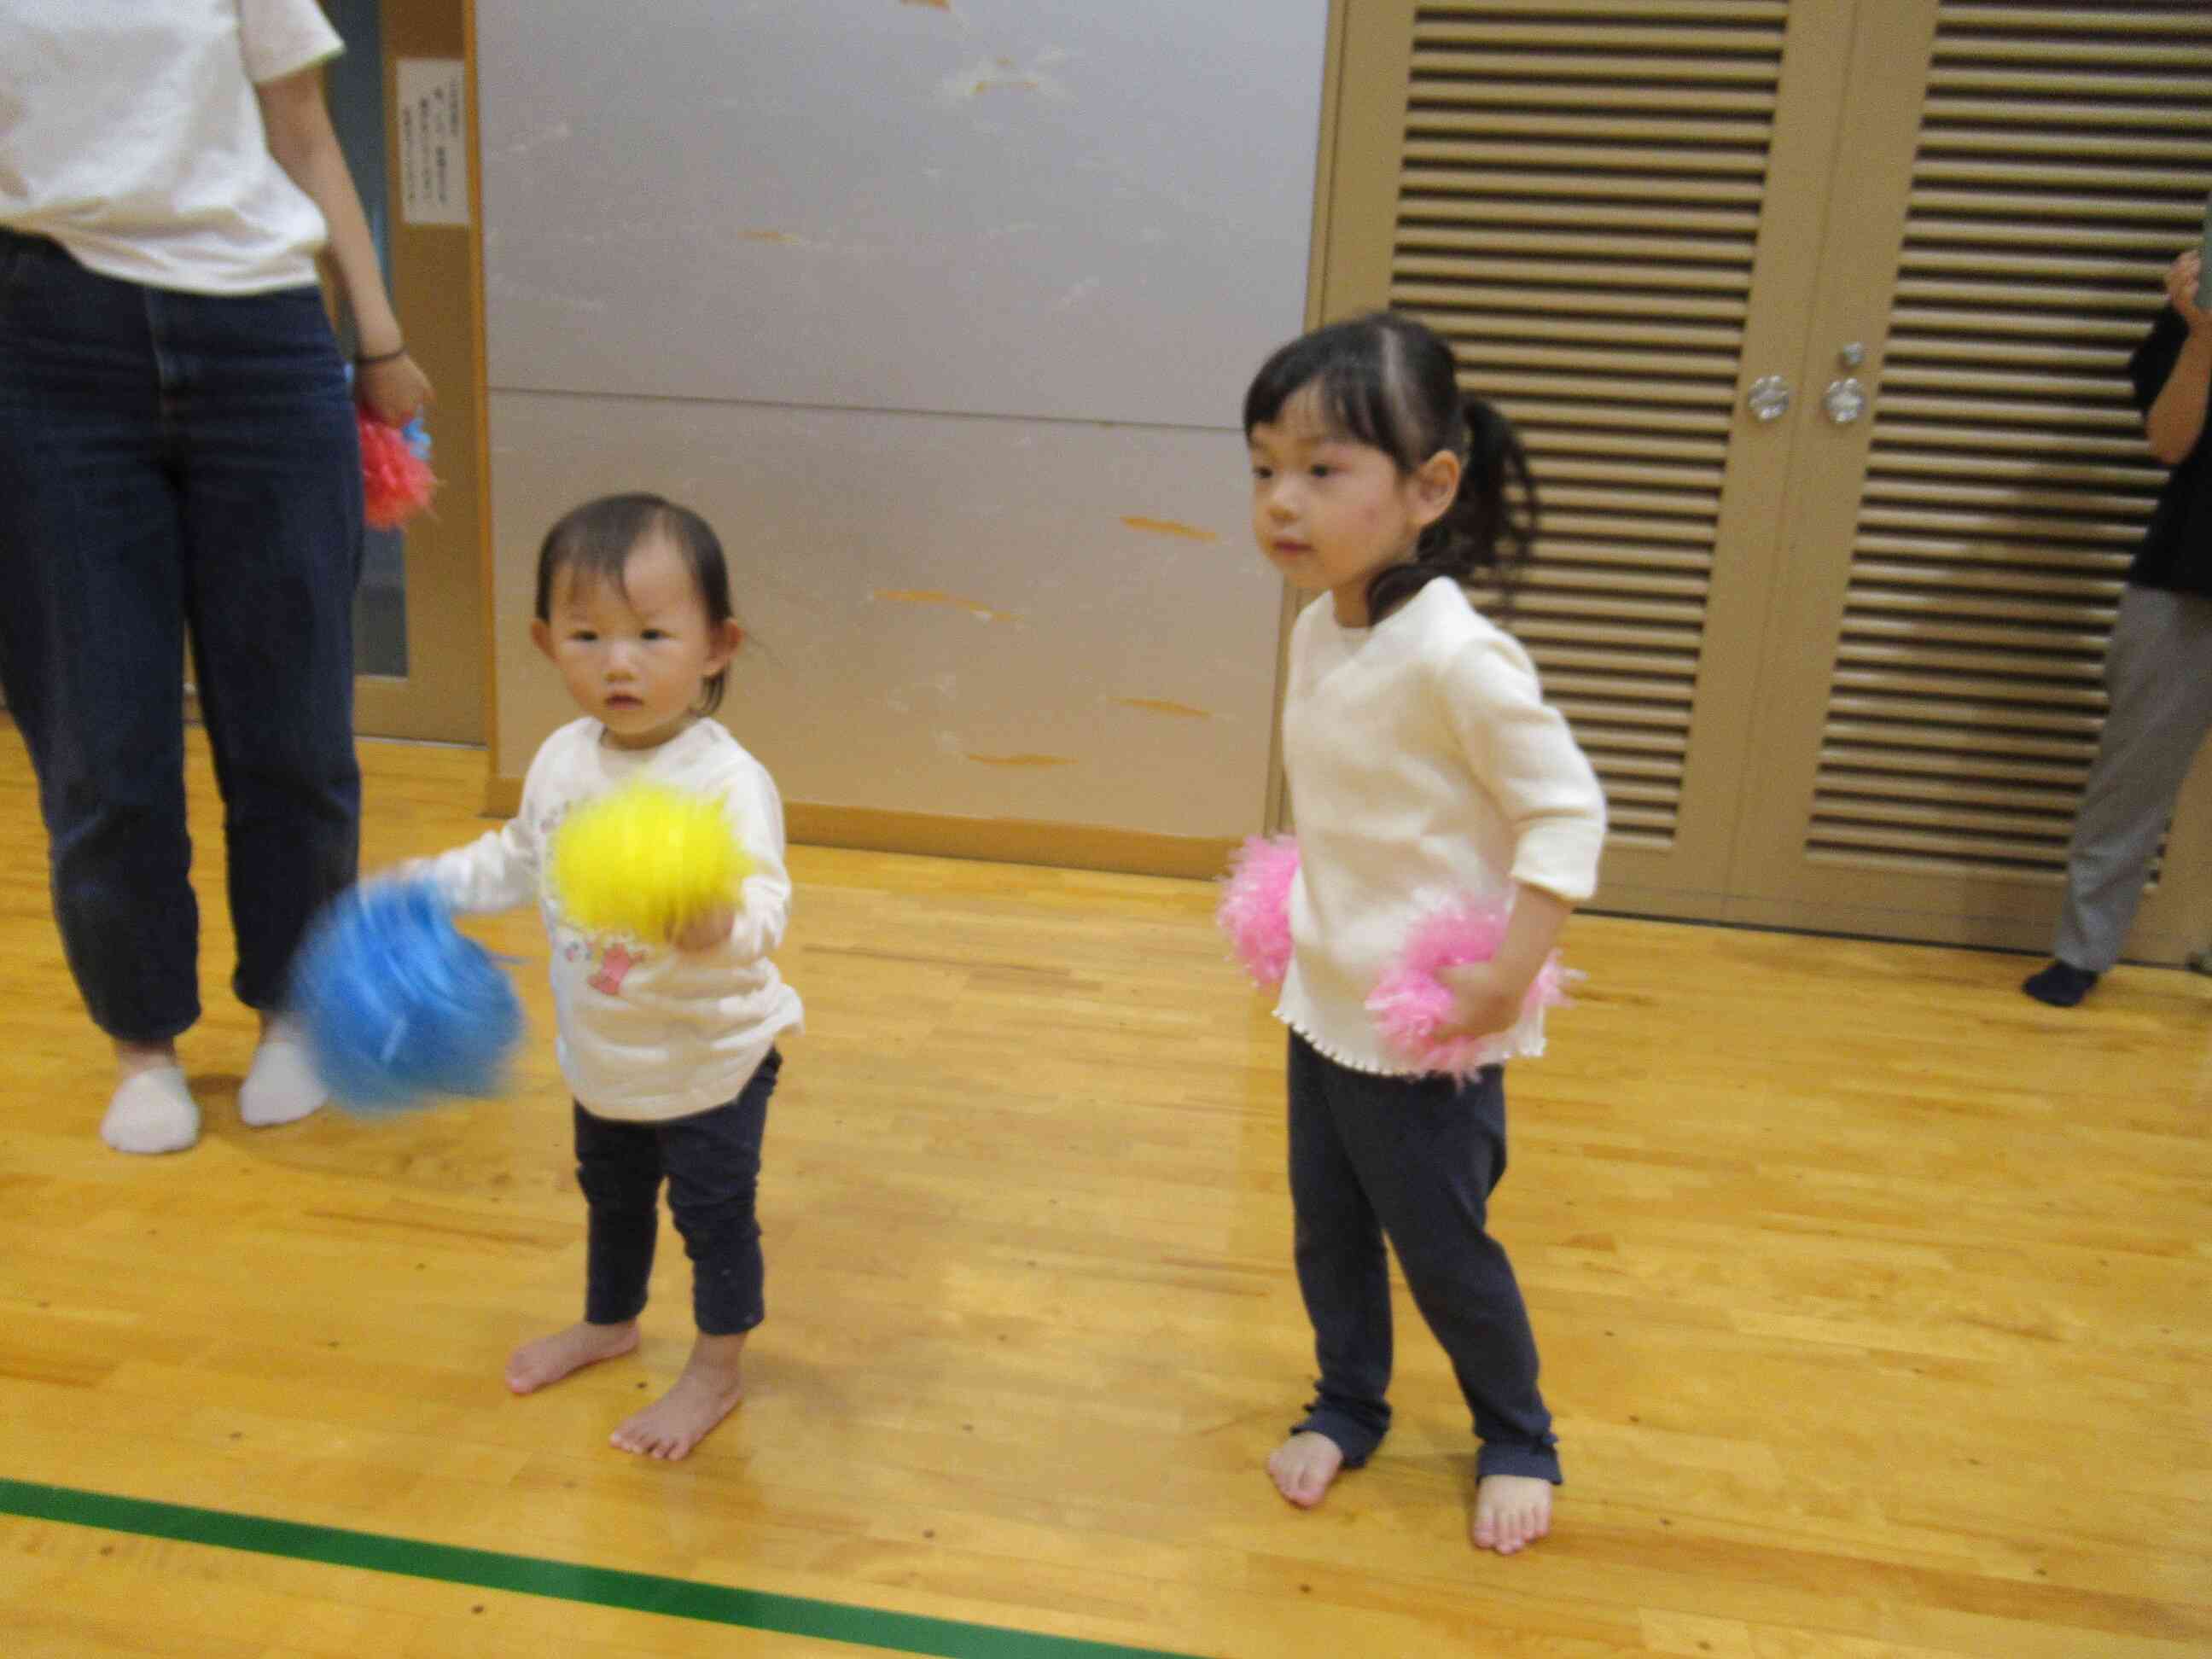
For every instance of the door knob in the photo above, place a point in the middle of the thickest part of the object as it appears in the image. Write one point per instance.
(1769, 397)
(1844, 400)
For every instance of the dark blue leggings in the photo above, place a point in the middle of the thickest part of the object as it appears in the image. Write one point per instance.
(712, 1162)
(1413, 1159)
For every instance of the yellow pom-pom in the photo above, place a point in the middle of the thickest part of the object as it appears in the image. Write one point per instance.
(645, 860)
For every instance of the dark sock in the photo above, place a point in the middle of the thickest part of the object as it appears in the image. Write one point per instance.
(2062, 984)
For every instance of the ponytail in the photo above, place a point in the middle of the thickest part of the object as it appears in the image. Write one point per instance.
(1487, 532)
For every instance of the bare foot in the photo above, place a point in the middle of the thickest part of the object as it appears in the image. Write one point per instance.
(550, 1359)
(1511, 1511)
(1304, 1465)
(708, 1392)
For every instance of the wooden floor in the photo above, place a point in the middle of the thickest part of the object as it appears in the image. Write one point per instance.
(1875, 1303)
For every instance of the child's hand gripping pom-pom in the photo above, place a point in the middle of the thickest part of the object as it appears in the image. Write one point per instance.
(1254, 911)
(645, 860)
(395, 480)
(1413, 1008)
(398, 1006)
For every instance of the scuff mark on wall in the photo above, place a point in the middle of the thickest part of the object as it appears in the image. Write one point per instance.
(1021, 760)
(944, 686)
(935, 5)
(1162, 706)
(507, 289)
(553, 133)
(930, 596)
(766, 236)
(1004, 75)
(1169, 527)
(1076, 295)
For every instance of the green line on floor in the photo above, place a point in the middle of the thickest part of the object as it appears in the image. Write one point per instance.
(563, 1581)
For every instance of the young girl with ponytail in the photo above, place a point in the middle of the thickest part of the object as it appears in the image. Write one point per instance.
(1423, 765)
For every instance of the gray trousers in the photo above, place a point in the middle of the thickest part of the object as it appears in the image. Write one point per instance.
(2159, 673)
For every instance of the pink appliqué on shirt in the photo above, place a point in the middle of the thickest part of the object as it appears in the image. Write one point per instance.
(613, 966)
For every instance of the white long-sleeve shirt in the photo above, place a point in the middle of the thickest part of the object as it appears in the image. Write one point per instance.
(645, 1032)
(1424, 766)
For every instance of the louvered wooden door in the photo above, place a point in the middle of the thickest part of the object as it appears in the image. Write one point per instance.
(2020, 177)
(1610, 210)
(1836, 675)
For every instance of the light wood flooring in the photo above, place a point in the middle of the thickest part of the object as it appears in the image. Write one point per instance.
(1875, 1303)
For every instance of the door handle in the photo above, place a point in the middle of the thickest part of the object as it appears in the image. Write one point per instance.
(1769, 397)
(1845, 400)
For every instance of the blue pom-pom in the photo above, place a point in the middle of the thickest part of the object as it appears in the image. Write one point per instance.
(399, 1006)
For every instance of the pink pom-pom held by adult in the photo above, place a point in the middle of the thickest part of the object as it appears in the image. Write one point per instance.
(1411, 1006)
(395, 482)
(1254, 911)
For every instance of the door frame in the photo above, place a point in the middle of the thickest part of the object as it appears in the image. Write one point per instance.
(437, 284)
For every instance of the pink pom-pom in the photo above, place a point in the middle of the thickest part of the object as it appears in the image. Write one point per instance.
(1411, 1006)
(1256, 906)
(396, 482)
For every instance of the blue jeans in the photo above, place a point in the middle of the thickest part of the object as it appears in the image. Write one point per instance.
(170, 459)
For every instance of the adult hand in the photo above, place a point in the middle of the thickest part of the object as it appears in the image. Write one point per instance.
(394, 390)
(2181, 279)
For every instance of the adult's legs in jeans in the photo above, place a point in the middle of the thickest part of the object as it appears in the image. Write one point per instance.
(91, 656)
(272, 511)
(272, 516)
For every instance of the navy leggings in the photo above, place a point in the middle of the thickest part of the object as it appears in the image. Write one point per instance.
(712, 1163)
(1413, 1159)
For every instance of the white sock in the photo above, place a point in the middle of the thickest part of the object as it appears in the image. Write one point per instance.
(153, 1111)
(281, 1085)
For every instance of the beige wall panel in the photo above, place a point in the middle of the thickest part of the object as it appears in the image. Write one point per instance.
(943, 314)
(1040, 621)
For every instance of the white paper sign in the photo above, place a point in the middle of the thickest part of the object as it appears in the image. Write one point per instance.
(433, 142)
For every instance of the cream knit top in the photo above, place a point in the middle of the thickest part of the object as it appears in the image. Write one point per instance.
(1424, 766)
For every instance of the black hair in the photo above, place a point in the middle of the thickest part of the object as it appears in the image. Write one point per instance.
(593, 542)
(1391, 383)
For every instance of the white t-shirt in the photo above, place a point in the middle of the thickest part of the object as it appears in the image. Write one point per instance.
(646, 1032)
(131, 135)
(1425, 767)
